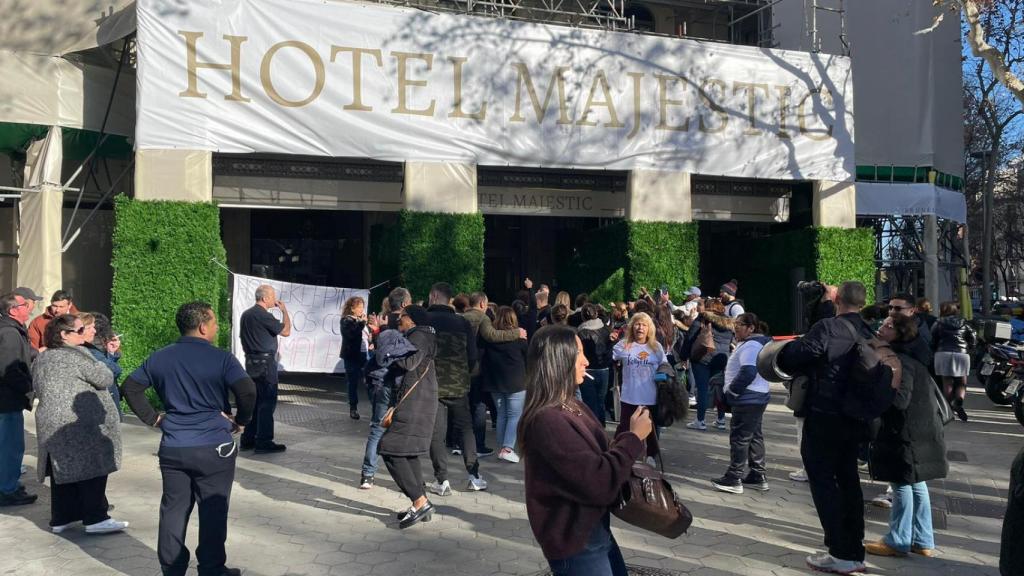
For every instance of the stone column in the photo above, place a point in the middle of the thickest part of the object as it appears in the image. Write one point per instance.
(182, 175)
(835, 204)
(441, 231)
(661, 238)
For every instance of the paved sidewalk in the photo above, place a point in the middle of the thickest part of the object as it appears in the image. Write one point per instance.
(300, 513)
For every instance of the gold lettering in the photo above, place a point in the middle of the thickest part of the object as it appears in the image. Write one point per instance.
(357, 73)
(404, 82)
(713, 106)
(802, 117)
(637, 110)
(751, 88)
(607, 102)
(784, 93)
(192, 65)
(318, 69)
(664, 102)
(458, 112)
(523, 78)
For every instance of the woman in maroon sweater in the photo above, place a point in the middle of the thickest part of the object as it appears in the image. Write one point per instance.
(572, 475)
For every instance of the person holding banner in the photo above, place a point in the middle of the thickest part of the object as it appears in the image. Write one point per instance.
(259, 331)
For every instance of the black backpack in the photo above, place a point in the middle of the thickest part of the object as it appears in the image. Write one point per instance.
(869, 390)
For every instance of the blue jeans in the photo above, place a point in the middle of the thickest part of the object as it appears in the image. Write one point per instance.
(509, 408)
(12, 449)
(380, 397)
(600, 557)
(701, 377)
(353, 376)
(594, 391)
(910, 522)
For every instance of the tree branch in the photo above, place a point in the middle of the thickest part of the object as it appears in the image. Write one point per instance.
(980, 48)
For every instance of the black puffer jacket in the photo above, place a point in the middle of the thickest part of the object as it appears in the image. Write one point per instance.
(1011, 553)
(910, 447)
(412, 425)
(953, 334)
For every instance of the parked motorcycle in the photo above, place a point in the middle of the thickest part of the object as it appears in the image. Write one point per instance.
(1003, 369)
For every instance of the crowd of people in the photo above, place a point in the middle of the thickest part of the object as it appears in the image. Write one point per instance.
(547, 373)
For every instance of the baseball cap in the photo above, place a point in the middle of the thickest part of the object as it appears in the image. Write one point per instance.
(693, 291)
(27, 293)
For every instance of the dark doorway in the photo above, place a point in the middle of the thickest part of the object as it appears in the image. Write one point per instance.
(538, 247)
(318, 247)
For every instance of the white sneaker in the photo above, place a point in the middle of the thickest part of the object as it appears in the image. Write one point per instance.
(828, 563)
(697, 425)
(883, 500)
(798, 476)
(720, 424)
(106, 527)
(476, 483)
(440, 488)
(60, 529)
(693, 401)
(508, 456)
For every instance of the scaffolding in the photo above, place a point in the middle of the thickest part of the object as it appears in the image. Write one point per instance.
(900, 253)
(731, 21)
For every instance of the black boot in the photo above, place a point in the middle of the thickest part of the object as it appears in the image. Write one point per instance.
(958, 407)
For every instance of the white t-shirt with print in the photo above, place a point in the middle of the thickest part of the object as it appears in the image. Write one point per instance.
(639, 364)
(745, 355)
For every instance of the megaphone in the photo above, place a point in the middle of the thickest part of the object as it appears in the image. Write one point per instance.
(768, 362)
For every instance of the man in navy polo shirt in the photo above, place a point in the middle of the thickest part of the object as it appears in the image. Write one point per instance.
(197, 453)
(258, 331)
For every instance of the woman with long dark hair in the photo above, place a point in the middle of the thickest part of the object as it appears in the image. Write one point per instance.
(952, 339)
(573, 475)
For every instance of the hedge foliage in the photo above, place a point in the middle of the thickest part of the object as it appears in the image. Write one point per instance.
(161, 259)
(438, 247)
(598, 267)
(661, 253)
(846, 254)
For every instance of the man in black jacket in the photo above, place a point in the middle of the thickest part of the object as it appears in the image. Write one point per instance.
(454, 362)
(15, 397)
(830, 439)
(921, 347)
(197, 453)
(1011, 554)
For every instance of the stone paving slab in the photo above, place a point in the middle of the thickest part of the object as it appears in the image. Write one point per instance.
(300, 512)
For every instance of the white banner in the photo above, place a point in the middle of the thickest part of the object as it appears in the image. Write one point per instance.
(315, 342)
(371, 81)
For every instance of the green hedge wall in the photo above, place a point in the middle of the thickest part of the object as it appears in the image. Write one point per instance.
(846, 254)
(661, 253)
(598, 267)
(441, 248)
(161, 260)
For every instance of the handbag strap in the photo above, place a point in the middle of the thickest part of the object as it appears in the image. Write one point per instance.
(411, 388)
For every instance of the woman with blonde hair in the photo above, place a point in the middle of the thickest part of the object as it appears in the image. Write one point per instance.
(563, 299)
(355, 347)
(641, 355)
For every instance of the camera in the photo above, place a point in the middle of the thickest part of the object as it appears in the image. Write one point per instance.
(811, 290)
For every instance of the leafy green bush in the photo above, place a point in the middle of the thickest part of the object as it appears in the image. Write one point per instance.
(846, 254)
(661, 253)
(438, 247)
(161, 259)
(611, 290)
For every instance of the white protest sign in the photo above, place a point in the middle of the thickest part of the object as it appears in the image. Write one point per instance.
(315, 341)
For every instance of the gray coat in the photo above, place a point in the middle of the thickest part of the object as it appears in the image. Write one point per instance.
(77, 424)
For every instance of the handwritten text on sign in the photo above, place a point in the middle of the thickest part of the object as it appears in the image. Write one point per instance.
(315, 342)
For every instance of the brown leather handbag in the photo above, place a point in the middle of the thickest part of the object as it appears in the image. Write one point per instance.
(647, 501)
(389, 415)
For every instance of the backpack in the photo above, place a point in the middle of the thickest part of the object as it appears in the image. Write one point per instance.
(875, 369)
(672, 400)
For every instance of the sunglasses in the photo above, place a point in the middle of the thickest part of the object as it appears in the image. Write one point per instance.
(78, 331)
(891, 307)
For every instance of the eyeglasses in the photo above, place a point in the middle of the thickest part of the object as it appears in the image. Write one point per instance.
(78, 331)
